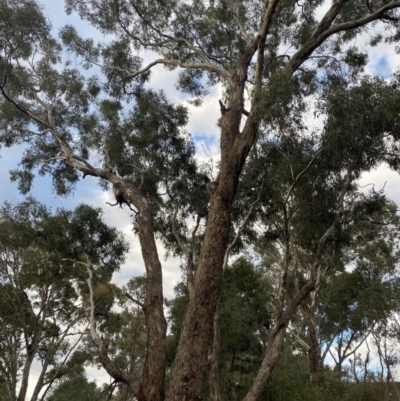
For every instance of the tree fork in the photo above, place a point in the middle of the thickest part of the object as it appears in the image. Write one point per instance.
(188, 377)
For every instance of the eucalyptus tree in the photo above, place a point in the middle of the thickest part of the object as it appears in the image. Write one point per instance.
(312, 185)
(359, 291)
(233, 43)
(43, 313)
(75, 385)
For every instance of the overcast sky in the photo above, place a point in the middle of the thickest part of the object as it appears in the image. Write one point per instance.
(202, 125)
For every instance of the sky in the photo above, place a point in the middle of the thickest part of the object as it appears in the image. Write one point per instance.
(202, 125)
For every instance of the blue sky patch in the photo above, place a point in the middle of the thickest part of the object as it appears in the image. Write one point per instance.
(209, 140)
(382, 68)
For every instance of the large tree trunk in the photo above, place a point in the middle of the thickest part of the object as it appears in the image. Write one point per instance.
(25, 373)
(152, 387)
(314, 352)
(192, 354)
(191, 359)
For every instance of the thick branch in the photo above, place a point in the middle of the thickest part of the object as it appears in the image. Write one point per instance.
(262, 35)
(299, 340)
(177, 63)
(324, 30)
(134, 300)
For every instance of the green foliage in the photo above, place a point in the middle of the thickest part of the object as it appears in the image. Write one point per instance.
(358, 138)
(244, 324)
(76, 386)
(177, 309)
(42, 286)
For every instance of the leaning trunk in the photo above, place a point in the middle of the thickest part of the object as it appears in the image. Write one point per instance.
(272, 354)
(191, 359)
(276, 340)
(25, 374)
(152, 387)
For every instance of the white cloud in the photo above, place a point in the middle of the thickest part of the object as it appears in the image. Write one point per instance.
(383, 178)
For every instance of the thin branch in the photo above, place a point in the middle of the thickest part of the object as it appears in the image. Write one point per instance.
(328, 346)
(296, 180)
(300, 341)
(20, 107)
(92, 324)
(242, 30)
(176, 63)
(283, 284)
(29, 133)
(190, 46)
(101, 345)
(178, 238)
(242, 226)
(40, 382)
(310, 285)
(134, 300)
(47, 161)
(140, 172)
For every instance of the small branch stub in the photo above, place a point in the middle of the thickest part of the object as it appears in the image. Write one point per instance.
(222, 107)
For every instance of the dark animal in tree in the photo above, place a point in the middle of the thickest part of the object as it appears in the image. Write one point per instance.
(120, 199)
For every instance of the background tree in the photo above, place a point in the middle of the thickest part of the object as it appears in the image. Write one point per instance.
(42, 310)
(74, 385)
(358, 292)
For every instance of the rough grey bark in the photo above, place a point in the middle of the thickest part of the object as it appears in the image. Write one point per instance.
(214, 356)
